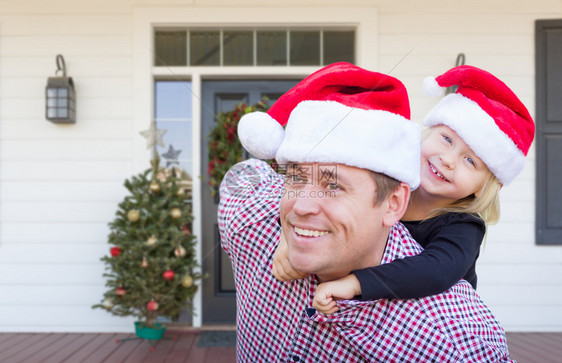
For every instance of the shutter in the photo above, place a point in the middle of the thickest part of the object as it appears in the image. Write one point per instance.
(549, 131)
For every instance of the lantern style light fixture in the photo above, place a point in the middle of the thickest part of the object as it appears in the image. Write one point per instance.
(60, 104)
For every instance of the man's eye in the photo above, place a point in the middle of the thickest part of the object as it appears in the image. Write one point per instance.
(295, 178)
(333, 186)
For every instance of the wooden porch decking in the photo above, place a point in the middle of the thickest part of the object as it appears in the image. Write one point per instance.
(92, 347)
(102, 347)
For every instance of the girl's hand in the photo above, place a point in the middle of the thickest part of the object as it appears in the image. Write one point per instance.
(328, 292)
(282, 269)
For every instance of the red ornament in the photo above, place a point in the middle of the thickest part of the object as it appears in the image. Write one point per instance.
(115, 251)
(168, 275)
(186, 231)
(152, 305)
(144, 263)
(120, 291)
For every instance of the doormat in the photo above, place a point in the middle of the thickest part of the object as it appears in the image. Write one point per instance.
(217, 339)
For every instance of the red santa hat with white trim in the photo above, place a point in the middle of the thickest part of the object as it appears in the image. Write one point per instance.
(487, 115)
(340, 114)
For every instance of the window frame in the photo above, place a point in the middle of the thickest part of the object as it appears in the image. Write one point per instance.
(255, 31)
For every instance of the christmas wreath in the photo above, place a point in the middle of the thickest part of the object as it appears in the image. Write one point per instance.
(225, 148)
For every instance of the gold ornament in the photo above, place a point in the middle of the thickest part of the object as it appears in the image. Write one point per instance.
(180, 192)
(180, 251)
(107, 303)
(133, 215)
(187, 281)
(175, 213)
(144, 263)
(154, 187)
(151, 241)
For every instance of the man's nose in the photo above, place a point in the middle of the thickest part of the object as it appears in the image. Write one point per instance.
(306, 201)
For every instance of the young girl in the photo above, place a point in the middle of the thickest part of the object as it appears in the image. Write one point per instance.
(476, 142)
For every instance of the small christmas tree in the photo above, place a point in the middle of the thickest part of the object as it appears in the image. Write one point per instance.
(152, 267)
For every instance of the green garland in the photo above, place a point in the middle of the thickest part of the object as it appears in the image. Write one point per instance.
(225, 148)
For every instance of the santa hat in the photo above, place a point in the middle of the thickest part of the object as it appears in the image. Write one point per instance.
(340, 114)
(487, 115)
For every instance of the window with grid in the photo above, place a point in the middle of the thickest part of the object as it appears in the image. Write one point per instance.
(255, 47)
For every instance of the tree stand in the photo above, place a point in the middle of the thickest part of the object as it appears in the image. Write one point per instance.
(152, 335)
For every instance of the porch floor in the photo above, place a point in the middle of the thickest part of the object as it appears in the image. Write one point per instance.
(101, 347)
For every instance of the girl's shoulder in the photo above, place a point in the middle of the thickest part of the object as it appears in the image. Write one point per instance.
(449, 226)
(453, 217)
(450, 217)
(449, 220)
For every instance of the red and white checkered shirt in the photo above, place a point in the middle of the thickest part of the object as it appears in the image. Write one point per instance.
(276, 321)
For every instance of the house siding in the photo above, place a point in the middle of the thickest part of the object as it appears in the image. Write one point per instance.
(60, 184)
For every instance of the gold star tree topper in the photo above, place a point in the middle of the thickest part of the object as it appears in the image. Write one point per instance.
(153, 136)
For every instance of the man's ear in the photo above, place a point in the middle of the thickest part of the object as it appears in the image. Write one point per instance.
(397, 203)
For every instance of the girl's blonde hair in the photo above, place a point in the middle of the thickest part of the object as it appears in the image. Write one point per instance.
(486, 205)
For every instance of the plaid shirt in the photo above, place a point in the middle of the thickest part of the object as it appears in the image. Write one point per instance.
(276, 321)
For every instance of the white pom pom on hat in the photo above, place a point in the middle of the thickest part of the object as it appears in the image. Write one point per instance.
(431, 87)
(260, 134)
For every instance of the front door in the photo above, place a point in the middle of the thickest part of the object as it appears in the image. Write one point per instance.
(219, 298)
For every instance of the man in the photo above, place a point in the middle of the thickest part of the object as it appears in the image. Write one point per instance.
(351, 156)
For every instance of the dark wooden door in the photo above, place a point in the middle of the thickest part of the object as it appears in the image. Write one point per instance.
(219, 298)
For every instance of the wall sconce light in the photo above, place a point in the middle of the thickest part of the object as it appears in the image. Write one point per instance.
(60, 96)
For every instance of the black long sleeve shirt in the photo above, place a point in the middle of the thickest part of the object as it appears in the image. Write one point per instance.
(451, 245)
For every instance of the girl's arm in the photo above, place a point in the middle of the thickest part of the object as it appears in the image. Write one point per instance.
(451, 251)
(328, 292)
(282, 269)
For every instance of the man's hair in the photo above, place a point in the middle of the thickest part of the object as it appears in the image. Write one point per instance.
(384, 184)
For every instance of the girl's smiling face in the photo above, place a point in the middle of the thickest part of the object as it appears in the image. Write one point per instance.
(450, 170)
